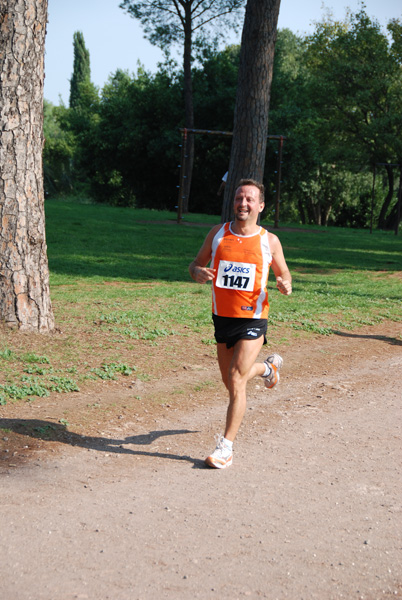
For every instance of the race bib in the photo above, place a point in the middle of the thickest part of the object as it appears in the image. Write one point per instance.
(236, 276)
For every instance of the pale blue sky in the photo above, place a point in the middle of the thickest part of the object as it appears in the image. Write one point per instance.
(115, 40)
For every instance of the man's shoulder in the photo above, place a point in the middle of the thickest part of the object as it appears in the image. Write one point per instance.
(212, 233)
(273, 239)
(274, 242)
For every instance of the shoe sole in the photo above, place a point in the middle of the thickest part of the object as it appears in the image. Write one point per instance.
(277, 360)
(210, 462)
(274, 381)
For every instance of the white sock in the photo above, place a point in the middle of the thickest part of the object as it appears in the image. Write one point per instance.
(268, 370)
(228, 443)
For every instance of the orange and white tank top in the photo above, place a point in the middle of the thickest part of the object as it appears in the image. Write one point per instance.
(242, 263)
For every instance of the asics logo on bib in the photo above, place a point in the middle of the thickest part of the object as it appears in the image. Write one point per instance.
(235, 276)
(237, 269)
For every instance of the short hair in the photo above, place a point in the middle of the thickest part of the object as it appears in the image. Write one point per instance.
(259, 186)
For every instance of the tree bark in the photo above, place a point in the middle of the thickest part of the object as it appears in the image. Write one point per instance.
(188, 108)
(327, 211)
(317, 212)
(250, 129)
(24, 274)
(301, 211)
(394, 218)
(382, 222)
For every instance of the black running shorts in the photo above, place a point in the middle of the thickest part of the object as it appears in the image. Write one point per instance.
(230, 330)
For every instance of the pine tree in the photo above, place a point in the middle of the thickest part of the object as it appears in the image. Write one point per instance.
(250, 129)
(24, 274)
(189, 23)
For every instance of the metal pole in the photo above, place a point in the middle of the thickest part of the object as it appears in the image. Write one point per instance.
(372, 202)
(182, 171)
(278, 183)
(213, 132)
(398, 212)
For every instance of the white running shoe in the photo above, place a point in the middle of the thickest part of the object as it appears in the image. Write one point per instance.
(221, 457)
(274, 362)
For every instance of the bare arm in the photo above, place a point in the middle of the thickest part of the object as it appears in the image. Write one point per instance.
(279, 266)
(221, 188)
(198, 267)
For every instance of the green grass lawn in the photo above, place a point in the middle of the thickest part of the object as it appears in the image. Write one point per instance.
(342, 277)
(119, 284)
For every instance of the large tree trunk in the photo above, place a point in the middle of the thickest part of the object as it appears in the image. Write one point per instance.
(394, 218)
(24, 275)
(326, 212)
(188, 108)
(317, 212)
(252, 100)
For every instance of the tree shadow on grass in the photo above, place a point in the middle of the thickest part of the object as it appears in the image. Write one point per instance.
(55, 432)
(382, 338)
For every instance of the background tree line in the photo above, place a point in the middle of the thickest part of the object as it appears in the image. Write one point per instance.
(336, 96)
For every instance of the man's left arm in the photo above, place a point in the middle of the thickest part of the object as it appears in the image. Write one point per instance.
(279, 266)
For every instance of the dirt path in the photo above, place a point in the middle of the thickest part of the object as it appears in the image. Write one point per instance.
(311, 509)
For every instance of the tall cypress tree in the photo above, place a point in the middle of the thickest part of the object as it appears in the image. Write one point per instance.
(81, 69)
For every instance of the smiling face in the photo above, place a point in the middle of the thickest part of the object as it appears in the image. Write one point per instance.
(247, 205)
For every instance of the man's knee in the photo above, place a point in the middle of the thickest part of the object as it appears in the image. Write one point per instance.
(225, 379)
(236, 377)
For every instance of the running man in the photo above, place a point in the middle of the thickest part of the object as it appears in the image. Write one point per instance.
(240, 254)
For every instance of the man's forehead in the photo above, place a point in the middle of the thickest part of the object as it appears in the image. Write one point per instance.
(249, 190)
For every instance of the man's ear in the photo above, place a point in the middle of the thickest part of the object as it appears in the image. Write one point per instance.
(262, 206)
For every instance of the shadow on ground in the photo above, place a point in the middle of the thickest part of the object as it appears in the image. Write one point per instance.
(381, 338)
(55, 432)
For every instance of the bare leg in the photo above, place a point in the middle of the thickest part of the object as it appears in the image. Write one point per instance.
(237, 367)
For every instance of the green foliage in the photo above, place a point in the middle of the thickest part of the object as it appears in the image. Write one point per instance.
(26, 357)
(355, 82)
(110, 371)
(336, 95)
(33, 386)
(135, 156)
(32, 357)
(333, 94)
(35, 370)
(214, 97)
(7, 354)
(70, 133)
(58, 152)
(81, 76)
(353, 73)
(166, 22)
(62, 384)
(38, 381)
(28, 388)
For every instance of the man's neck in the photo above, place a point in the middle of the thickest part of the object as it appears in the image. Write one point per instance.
(244, 228)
